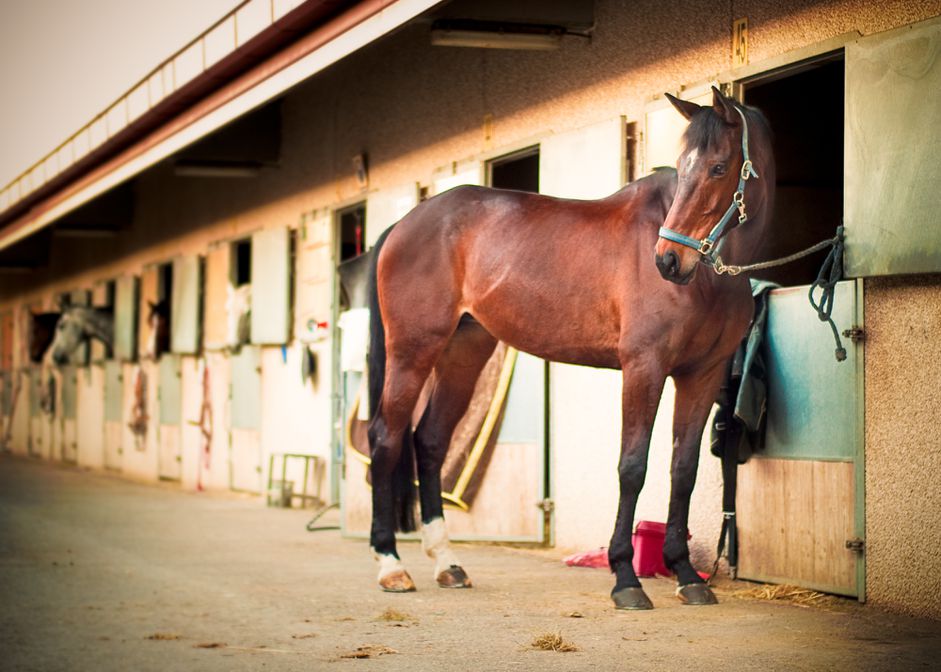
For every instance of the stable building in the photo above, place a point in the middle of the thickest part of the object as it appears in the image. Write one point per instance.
(214, 210)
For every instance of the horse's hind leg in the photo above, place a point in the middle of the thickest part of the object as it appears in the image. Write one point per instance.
(695, 394)
(407, 367)
(455, 376)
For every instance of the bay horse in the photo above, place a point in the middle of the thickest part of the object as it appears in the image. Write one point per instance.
(42, 331)
(158, 321)
(78, 324)
(581, 282)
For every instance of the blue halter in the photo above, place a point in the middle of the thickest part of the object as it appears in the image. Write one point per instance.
(708, 246)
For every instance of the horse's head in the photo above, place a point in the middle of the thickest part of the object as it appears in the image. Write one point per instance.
(42, 331)
(158, 320)
(70, 332)
(724, 146)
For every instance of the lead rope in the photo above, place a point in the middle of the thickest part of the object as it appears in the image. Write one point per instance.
(831, 272)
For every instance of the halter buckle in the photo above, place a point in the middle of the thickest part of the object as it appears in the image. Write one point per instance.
(705, 246)
(746, 169)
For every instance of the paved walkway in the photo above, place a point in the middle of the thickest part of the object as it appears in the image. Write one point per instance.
(98, 573)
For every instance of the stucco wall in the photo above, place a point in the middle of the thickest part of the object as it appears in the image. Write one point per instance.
(903, 448)
(414, 109)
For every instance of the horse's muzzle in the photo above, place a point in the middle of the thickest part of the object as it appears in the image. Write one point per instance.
(669, 266)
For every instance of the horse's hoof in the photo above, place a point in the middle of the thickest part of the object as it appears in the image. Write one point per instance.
(631, 598)
(696, 594)
(397, 582)
(454, 577)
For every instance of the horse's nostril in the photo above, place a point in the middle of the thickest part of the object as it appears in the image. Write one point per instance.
(671, 263)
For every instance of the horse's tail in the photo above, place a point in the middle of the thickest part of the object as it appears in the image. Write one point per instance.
(403, 477)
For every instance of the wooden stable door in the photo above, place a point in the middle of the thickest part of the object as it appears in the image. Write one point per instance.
(800, 501)
(245, 420)
(170, 398)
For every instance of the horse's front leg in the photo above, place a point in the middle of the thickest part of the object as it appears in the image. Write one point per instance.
(695, 394)
(642, 386)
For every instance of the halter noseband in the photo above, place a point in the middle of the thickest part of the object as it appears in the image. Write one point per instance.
(707, 247)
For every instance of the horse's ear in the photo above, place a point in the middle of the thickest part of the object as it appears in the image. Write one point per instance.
(684, 107)
(724, 108)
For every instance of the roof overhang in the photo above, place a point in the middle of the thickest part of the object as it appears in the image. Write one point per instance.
(329, 42)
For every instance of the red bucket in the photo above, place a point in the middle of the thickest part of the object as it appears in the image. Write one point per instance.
(648, 548)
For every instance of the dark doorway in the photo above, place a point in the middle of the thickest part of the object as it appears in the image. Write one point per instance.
(519, 171)
(352, 229)
(242, 262)
(165, 296)
(805, 110)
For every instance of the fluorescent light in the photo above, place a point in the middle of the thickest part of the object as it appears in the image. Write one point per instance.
(191, 168)
(548, 41)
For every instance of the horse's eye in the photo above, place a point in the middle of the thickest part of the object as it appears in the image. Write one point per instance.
(718, 170)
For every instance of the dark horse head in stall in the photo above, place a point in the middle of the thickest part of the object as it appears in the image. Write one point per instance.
(42, 331)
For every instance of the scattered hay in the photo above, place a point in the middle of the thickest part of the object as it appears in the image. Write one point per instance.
(553, 642)
(209, 645)
(785, 593)
(393, 616)
(573, 614)
(369, 652)
(397, 619)
(164, 636)
(309, 635)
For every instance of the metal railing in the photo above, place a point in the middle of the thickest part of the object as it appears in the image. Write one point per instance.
(225, 36)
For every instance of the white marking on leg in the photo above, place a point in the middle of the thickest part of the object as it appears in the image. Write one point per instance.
(388, 564)
(435, 543)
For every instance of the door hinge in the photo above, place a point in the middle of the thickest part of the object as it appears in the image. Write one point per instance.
(546, 505)
(856, 334)
(856, 545)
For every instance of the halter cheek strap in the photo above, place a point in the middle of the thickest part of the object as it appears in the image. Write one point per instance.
(708, 245)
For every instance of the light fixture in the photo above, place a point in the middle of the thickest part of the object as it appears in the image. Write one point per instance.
(493, 35)
(202, 168)
(487, 40)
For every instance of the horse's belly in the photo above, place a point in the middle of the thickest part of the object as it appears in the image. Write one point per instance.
(567, 339)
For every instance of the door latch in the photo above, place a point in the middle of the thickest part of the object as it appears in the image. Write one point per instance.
(856, 334)
(856, 545)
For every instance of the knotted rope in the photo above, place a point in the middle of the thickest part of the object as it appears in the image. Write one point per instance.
(831, 272)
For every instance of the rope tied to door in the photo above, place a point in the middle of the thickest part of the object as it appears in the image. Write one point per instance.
(831, 272)
(205, 427)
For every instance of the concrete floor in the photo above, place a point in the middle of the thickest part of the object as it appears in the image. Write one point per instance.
(98, 573)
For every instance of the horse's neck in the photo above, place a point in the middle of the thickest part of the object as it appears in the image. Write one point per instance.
(99, 324)
(744, 241)
(742, 244)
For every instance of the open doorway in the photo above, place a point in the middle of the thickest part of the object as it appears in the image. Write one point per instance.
(239, 293)
(351, 225)
(163, 327)
(805, 109)
(804, 105)
(519, 171)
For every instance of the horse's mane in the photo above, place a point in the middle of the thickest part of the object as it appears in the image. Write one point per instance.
(706, 126)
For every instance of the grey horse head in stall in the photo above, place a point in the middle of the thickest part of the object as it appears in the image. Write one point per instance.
(76, 325)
